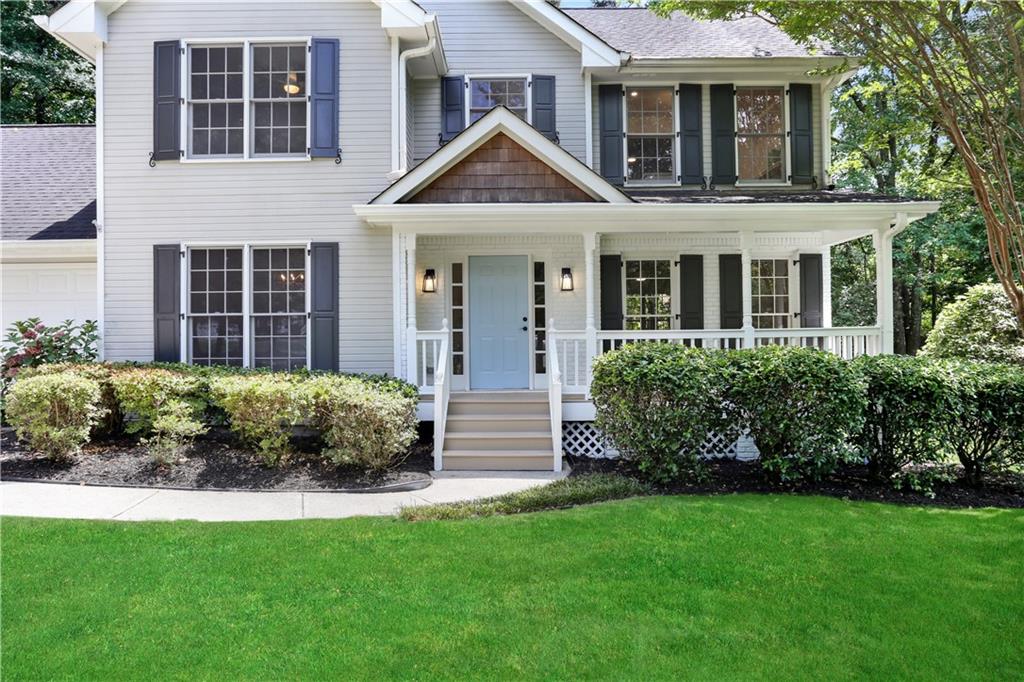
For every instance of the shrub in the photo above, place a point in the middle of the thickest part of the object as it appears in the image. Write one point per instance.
(801, 406)
(567, 492)
(174, 429)
(659, 402)
(980, 325)
(362, 423)
(31, 343)
(982, 420)
(142, 391)
(111, 421)
(261, 409)
(904, 401)
(54, 414)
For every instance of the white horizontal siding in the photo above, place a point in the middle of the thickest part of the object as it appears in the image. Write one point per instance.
(491, 37)
(291, 202)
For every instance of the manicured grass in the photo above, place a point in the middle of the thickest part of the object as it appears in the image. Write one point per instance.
(656, 587)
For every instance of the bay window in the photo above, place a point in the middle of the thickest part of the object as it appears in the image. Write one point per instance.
(648, 294)
(247, 100)
(770, 293)
(761, 134)
(247, 306)
(650, 134)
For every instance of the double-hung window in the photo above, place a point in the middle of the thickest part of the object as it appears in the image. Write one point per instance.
(247, 306)
(761, 134)
(650, 134)
(247, 100)
(648, 294)
(769, 288)
(487, 93)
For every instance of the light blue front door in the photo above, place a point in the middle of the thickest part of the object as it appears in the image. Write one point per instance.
(499, 338)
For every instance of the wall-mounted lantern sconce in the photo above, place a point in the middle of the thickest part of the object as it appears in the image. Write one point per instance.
(566, 279)
(429, 281)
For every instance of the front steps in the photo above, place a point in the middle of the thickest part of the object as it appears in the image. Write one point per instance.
(506, 430)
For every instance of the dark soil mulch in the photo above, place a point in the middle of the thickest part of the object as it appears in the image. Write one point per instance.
(211, 463)
(848, 482)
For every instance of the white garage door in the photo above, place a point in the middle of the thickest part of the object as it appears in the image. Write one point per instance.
(52, 291)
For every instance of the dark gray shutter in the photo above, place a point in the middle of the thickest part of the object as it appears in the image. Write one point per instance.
(544, 106)
(166, 100)
(453, 107)
(323, 97)
(691, 156)
(801, 129)
(611, 292)
(691, 291)
(609, 110)
(167, 302)
(723, 134)
(323, 315)
(730, 288)
(811, 290)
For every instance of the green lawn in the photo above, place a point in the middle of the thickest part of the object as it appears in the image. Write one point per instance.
(706, 587)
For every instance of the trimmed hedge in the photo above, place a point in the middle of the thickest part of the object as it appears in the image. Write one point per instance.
(54, 414)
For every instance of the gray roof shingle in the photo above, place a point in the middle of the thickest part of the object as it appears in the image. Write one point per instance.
(47, 182)
(645, 35)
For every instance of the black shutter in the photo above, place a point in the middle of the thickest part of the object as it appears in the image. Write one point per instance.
(691, 292)
(811, 290)
(801, 128)
(690, 147)
(323, 97)
(323, 316)
(611, 292)
(723, 134)
(544, 106)
(167, 302)
(730, 286)
(453, 111)
(609, 110)
(166, 100)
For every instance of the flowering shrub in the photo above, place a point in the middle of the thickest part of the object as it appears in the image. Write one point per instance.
(54, 414)
(30, 343)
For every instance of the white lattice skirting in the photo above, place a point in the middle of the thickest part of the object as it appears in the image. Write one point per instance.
(583, 439)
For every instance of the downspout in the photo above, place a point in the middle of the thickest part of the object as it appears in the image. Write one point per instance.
(403, 95)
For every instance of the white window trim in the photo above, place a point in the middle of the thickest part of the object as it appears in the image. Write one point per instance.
(466, 82)
(246, 43)
(247, 247)
(792, 284)
(785, 182)
(676, 162)
(674, 292)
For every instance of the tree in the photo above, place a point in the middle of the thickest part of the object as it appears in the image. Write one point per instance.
(42, 80)
(961, 60)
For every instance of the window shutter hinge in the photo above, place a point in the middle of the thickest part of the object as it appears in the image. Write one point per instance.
(787, 92)
(181, 153)
(789, 178)
(796, 262)
(814, 182)
(182, 253)
(309, 252)
(181, 316)
(307, 151)
(735, 92)
(679, 179)
(182, 49)
(309, 315)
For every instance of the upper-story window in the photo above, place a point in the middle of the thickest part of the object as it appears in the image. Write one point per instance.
(487, 93)
(650, 134)
(761, 133)
(251, 107)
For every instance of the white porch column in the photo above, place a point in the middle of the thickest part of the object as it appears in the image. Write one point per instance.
(883, 286)
(590, 242)
(745, 272)
(412, 373)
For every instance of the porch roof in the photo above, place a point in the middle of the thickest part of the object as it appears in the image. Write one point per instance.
(669, 195)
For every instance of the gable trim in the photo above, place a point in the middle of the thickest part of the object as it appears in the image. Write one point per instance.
(594, 52)
(504, 121)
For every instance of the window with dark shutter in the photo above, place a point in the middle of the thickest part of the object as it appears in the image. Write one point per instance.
(166, 100)
(690, 143)
(730, 284)
(723, 134)
(811, 290)
(543, 95)
(801, 129)
(691, 291)
(453, 107)
(167, 302)
(609, 100)
(324, 306)
(323, 97)
(611, 292)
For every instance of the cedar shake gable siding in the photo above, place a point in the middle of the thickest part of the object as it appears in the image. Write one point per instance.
(500, 171)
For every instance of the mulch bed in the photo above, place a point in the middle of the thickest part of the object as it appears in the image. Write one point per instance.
(211, 464)
(849, 482)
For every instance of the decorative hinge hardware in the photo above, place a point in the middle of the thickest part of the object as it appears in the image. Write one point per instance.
(337, 157)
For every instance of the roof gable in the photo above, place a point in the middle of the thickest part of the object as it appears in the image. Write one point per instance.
(530, 148)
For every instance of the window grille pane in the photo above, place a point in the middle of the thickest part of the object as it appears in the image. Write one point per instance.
(279, 308)
(215, 306)
(485, 94)
(761, 128)
(215, 107)
(770, 293)
(279, 99)
(648, 294)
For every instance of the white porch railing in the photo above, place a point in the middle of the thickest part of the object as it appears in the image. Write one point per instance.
(442, 387)
(571, 346)
(427, 355)
(554, 399)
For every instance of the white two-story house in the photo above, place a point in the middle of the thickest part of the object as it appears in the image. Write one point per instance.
(479, 196)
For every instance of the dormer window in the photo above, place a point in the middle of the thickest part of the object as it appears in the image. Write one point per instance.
(487, 93)
(761, 134)
(650, 134)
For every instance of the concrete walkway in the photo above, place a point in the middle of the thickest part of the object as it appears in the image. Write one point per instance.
(54, 500)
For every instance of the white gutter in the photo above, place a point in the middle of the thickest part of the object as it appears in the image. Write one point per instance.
(403, 96)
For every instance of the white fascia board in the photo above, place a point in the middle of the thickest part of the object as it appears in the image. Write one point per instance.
(594, 51)
(845, 218)
(408, 21)
(80, 24)
(501, 120)
(48, 251)
(745, 67)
